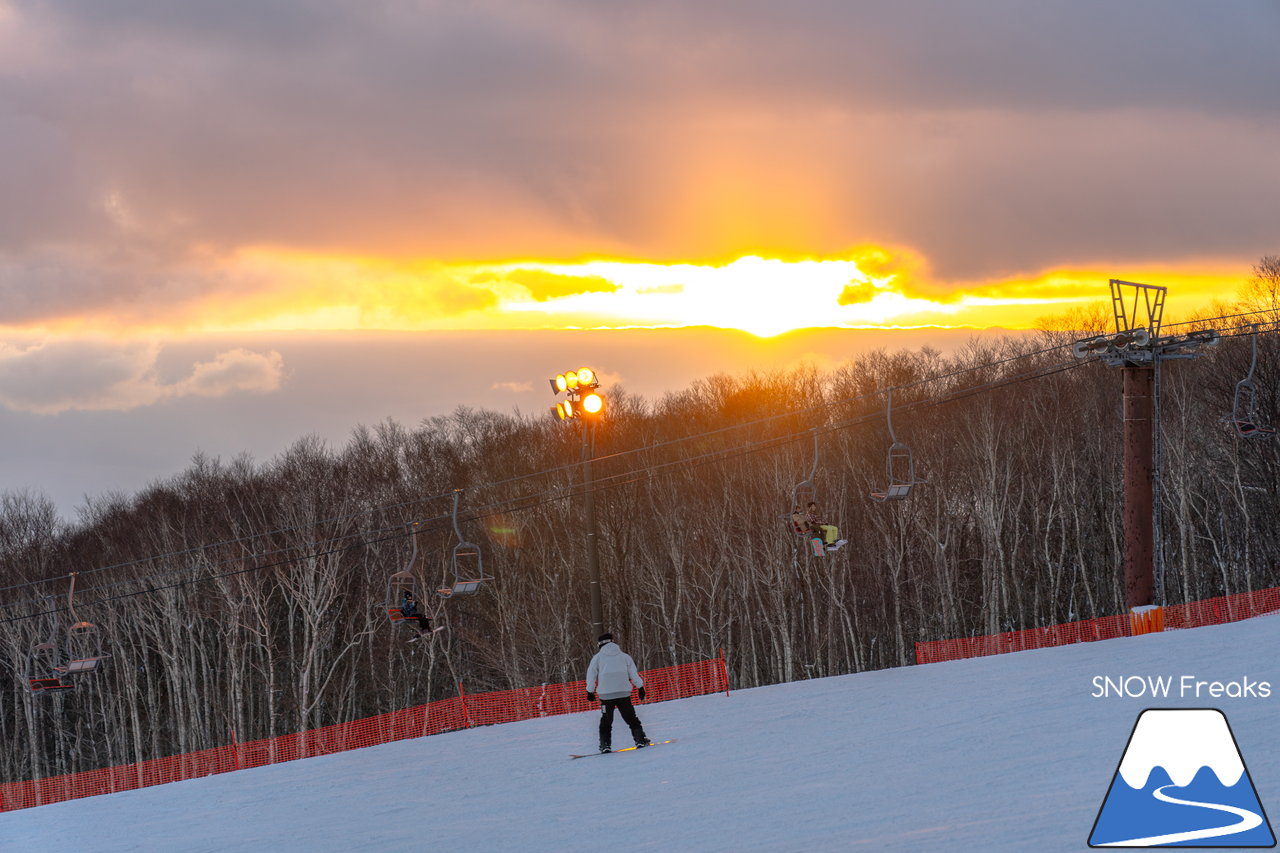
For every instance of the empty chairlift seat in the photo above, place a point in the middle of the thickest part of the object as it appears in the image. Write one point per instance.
(899, 466)
(895, 492)
(466, 562)
(84, 647)
(467, 567)
(1244, 419)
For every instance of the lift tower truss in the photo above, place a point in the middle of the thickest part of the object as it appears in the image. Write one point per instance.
(1138, 348)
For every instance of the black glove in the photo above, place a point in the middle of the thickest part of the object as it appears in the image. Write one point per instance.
(641, 694)
(591, 697)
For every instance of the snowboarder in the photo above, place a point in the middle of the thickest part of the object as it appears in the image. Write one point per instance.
(830, 533)
(409, 610)
(611, 674)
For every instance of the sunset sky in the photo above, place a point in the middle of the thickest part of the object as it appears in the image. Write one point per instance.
(192, 194)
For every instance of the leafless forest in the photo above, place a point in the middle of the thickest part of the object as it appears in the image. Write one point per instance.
(247, 597)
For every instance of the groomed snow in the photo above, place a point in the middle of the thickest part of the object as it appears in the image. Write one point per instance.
(1001, 753)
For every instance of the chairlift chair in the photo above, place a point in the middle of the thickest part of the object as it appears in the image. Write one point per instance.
(1244, 402)
(403, 581)
(84, 649)
(466, 562)
(84, 652)
(397, 585)
(43, 663)
(900, 466)
(805, 493)
(900, 472)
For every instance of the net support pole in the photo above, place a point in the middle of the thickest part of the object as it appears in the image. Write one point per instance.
(466, 712)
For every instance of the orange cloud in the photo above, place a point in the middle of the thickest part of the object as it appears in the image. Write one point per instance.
(544, 285)
(861, 292)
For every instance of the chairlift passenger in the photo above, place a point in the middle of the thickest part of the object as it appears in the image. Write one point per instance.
(409, 610)
(819, 526)
(803, 497)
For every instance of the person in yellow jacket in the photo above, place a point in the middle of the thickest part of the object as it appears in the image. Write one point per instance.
(829, 532)
(611, 675)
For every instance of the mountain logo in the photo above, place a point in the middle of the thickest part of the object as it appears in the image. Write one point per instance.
(1181, 783)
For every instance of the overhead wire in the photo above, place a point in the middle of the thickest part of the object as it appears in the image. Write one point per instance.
(829, 404)
(530, 501)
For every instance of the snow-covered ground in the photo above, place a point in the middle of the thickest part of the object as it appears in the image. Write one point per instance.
(1002, 753)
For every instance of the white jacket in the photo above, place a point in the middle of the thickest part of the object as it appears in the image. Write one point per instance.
(613, 672)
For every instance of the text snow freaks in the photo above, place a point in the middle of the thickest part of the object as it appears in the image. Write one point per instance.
(1177, 686)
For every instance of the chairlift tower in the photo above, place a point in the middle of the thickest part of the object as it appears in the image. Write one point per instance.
(1138, 349)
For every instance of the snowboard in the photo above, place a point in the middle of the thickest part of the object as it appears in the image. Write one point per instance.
(627, 749)
(434, 630)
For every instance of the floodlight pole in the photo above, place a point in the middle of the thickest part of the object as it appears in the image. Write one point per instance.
(585, 405)
(589, 510)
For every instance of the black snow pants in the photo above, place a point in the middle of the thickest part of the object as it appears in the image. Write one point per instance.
(628, 716)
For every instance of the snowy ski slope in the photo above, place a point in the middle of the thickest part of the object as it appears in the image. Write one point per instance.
(1002, 753)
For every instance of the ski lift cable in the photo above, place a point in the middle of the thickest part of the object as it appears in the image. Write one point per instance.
(1253, 313)
(612, 481)
(545, 472)
(841, 401)
(149, 579)
(559, 469)
(562, 468)
(711, 457)
(530, 501)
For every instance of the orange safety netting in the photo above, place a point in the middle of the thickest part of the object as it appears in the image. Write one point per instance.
(477, 709)
(1211, 611)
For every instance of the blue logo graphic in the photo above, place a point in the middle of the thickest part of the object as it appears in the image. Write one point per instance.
(1181, 783)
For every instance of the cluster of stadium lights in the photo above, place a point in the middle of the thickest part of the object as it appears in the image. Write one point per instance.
(580, 385)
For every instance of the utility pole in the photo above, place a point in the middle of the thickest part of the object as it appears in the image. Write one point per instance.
(1138, 349)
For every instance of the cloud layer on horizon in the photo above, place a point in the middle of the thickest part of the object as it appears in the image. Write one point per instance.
(145, 148)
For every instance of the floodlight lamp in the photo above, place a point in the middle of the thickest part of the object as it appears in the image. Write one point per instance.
(586, 376)
(571, 381)
(560, 383)
(592, 404)
(567, 407)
